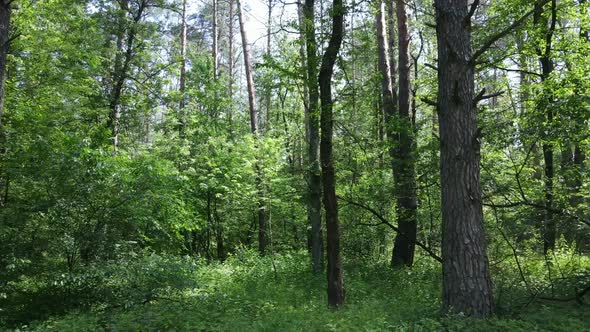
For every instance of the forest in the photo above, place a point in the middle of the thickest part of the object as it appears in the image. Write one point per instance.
(308, 165)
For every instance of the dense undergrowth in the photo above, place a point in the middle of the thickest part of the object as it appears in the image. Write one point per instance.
(278, 293)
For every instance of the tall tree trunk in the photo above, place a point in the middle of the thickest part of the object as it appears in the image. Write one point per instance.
(314, 204)
(268, 87)
(467, 285)
(544, 107)
(389, 105)
(525, 111)
(231, 67)
(336, 294)
(388, 108)
(391, 31)
(5, 14)
(405, 180)
(215, 47)
(182, 104)
(262, 227)
(215, 55)
(221, 253)
(125, 45)
(579, 157)
(584, 29)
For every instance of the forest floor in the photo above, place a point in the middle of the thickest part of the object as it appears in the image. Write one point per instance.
(248, 293)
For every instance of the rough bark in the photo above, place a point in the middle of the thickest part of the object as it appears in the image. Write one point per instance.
(467, 285)
(314, 204)
(262, 225)
(404, 166)
(336, 295)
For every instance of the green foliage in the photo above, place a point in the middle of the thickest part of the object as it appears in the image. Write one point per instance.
(130, 280)
(271, 293)
(92, 240)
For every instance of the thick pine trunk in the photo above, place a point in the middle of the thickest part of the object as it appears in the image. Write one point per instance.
(314, 203)
(404, 166)
(336, 294)
(262, 225)
(467, 285)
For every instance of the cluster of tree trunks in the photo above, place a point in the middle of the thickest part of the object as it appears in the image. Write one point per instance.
(399, 123)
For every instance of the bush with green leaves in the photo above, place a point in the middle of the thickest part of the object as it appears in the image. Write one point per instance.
(132, 280)
(279, 293)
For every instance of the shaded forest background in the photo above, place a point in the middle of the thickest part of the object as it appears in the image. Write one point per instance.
(154, 164)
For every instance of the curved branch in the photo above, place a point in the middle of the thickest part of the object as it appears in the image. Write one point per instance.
(502, 34)
(390, 225)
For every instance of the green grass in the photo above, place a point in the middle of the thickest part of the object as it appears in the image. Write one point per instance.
(248, 293)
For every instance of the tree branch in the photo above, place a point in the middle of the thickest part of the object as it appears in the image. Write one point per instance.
(472, 10)
(517, 71)
(502, 34)
(428, 101)
(390, 225)
(431, 66)
(577, 297)
(481, 96)
(537, 206)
